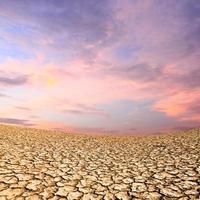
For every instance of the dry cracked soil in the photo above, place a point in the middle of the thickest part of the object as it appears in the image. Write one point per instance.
(38, 164)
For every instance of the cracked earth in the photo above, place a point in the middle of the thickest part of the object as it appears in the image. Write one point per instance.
(38, 164)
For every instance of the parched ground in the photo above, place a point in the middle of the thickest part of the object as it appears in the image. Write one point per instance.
(37, 164)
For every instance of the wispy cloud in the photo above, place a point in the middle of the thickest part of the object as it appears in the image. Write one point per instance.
(12, 79)
(82, 109)
(23, 108)
(2, 95)
(85, 112)
(16, 121)
(139, 72)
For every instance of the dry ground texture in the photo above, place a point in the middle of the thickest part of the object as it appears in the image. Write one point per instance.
(38, 164)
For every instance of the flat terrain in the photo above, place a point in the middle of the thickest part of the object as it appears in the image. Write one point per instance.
(37, 164)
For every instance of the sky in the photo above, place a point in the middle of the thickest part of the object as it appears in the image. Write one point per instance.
(109, 66)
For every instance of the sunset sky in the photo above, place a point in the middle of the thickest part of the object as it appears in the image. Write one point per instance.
(100, 66)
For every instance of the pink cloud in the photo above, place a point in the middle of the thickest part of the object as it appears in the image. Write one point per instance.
(180, 105)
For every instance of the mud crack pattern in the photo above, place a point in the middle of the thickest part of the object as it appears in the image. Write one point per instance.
(37, 164)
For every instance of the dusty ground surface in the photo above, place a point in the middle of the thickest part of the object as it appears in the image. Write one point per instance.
(36, 164)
